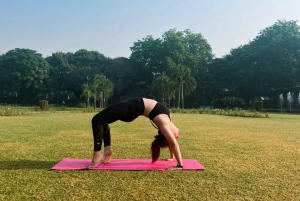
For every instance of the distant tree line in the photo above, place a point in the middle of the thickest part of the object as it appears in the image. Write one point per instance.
(178, 69)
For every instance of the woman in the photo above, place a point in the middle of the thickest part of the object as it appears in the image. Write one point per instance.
(127, 111)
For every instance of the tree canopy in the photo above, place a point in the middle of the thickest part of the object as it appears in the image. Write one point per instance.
(177, 67)
(23, 72)
(270, 61)
(180, 55)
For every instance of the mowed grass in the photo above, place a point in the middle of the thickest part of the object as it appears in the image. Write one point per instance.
(245, 159)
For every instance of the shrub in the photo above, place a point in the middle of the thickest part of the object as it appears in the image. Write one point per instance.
(175, 110)
(237, 112)
(258, 105)
(266, 114)
(194, 111)
(52, 110)
(9, 112)
(43, 104)
(256, 114)
(63, 108)
(81, 105)
(89, 109)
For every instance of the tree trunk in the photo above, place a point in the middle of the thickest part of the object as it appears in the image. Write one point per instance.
(174, 102)
(178, 104)
(104, 101)
(182, 99)
(101, 100)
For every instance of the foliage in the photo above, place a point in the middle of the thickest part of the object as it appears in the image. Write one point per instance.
(23, 72)
(163, 88)
(270, 61)
(88, 109)
(43, 104)
(258, 105)
(87, 93)
(62, 108)
(179, 55)
(178, 67)
(69, 71)
(237, 112)
(103, 89)
(184, 81)
(125, 76)
(81, 105)
(9, 112)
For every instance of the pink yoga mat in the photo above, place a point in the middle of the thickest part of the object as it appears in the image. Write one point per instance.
(125, 164)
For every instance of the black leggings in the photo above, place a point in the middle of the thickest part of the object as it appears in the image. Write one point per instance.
(126, 111)
(101, 132)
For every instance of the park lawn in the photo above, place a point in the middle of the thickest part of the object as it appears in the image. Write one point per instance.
(245, 159)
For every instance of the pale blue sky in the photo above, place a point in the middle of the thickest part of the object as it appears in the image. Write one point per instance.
(112, 26)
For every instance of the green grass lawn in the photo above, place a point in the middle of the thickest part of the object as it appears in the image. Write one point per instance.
(245, 159)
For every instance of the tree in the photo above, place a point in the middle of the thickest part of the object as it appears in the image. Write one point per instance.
(79, 77)
(185, 82)
(184, 48)
(105, 89)
(69, 71)
(163, 88)
(125, 77)
(270, 61)
(24, 72)
(60, 82)
(94, 92)
(108, 91)
(93, 59)
(176, 51)
(149, 54)
(276, 55)
(87, 93)
(199, 56)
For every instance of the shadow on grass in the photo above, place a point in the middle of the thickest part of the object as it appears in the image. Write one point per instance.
(26, 165)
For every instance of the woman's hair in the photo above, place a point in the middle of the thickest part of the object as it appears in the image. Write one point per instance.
(159, 142)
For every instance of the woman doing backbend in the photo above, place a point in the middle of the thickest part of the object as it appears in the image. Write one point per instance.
(127, 111)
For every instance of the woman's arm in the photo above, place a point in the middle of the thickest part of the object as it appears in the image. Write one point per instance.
(166, 131)
(171, 154)
(164, 125)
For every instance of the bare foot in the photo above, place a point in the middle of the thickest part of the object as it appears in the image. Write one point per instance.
(97, 156)
(108, 152)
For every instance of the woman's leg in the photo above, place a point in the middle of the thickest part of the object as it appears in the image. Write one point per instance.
(98, 133)
(106, 135)
(101, 130)
(108, 152)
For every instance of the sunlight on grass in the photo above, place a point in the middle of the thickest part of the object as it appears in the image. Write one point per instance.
(245, 159)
